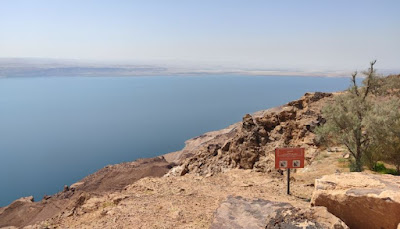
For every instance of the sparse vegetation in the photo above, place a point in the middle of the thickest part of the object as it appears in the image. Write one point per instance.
(342, 160)
(381, 168)
(345, 119)
(321, 156)
(386, 86)
(108, 204)
(367, 121)
(343, 163)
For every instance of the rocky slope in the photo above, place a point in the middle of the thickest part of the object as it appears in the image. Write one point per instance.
(184, 189)
(251, 143)
(112, 178)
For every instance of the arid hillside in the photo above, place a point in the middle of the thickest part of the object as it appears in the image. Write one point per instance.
(221, 179)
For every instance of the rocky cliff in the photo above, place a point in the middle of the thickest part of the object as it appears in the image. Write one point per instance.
(250, 144)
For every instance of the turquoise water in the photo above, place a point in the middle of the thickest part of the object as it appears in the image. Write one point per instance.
(55, 131)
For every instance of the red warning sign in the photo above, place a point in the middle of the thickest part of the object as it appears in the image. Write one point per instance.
(289, 158)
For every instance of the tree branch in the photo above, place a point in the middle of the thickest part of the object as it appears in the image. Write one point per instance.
(354, 83)
(350, 150)
(369, 78)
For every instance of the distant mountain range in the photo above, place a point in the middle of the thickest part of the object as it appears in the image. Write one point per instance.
(49, 67)
(40, 67)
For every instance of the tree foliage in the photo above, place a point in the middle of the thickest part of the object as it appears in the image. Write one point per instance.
(384, 125)
(346, 117)
(386, 86)
(366, 120)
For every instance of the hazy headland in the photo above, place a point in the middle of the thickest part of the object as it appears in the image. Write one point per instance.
(42, 67)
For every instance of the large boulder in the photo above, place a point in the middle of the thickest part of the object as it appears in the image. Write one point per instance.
(237, 213)
(361, 200)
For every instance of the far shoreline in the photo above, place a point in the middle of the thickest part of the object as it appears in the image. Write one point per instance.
(178, 75)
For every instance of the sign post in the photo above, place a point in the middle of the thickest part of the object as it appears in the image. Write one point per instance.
(288, 181)
(287, 158)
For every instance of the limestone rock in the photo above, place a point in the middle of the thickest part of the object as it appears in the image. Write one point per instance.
(237, 213)
(361, 200)
(28, 199)
(76, 185)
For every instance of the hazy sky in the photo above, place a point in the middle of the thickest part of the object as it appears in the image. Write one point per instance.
(305, 34)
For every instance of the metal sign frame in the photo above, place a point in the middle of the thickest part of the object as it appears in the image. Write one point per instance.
(287, 158)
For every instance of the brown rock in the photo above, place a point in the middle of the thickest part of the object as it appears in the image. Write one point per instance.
(361, 200)
(248, 122)
(250, 144)
(238, 213)
(318, 96)
(226, 146)
(287, 114)
(116, 177)
(269, 121)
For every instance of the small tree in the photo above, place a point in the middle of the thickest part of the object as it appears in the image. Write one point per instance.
(346, 117)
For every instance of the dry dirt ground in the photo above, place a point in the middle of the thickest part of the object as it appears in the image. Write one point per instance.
(190, 201)
(112, 178)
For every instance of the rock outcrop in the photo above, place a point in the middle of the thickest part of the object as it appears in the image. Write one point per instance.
(25, 211)
(250, 144)
(111, 178)
(240, 213)
(361, 200)
(116, 177)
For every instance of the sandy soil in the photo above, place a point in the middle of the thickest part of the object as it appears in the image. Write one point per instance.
(190, 201)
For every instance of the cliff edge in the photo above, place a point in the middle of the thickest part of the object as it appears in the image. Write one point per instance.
(183, 189)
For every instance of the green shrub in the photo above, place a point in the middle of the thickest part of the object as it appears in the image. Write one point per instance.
(381, 168)
(342, 160)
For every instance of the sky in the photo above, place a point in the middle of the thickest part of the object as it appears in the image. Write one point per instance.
(252, 34)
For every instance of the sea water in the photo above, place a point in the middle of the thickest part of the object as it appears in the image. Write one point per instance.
(55, 131)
